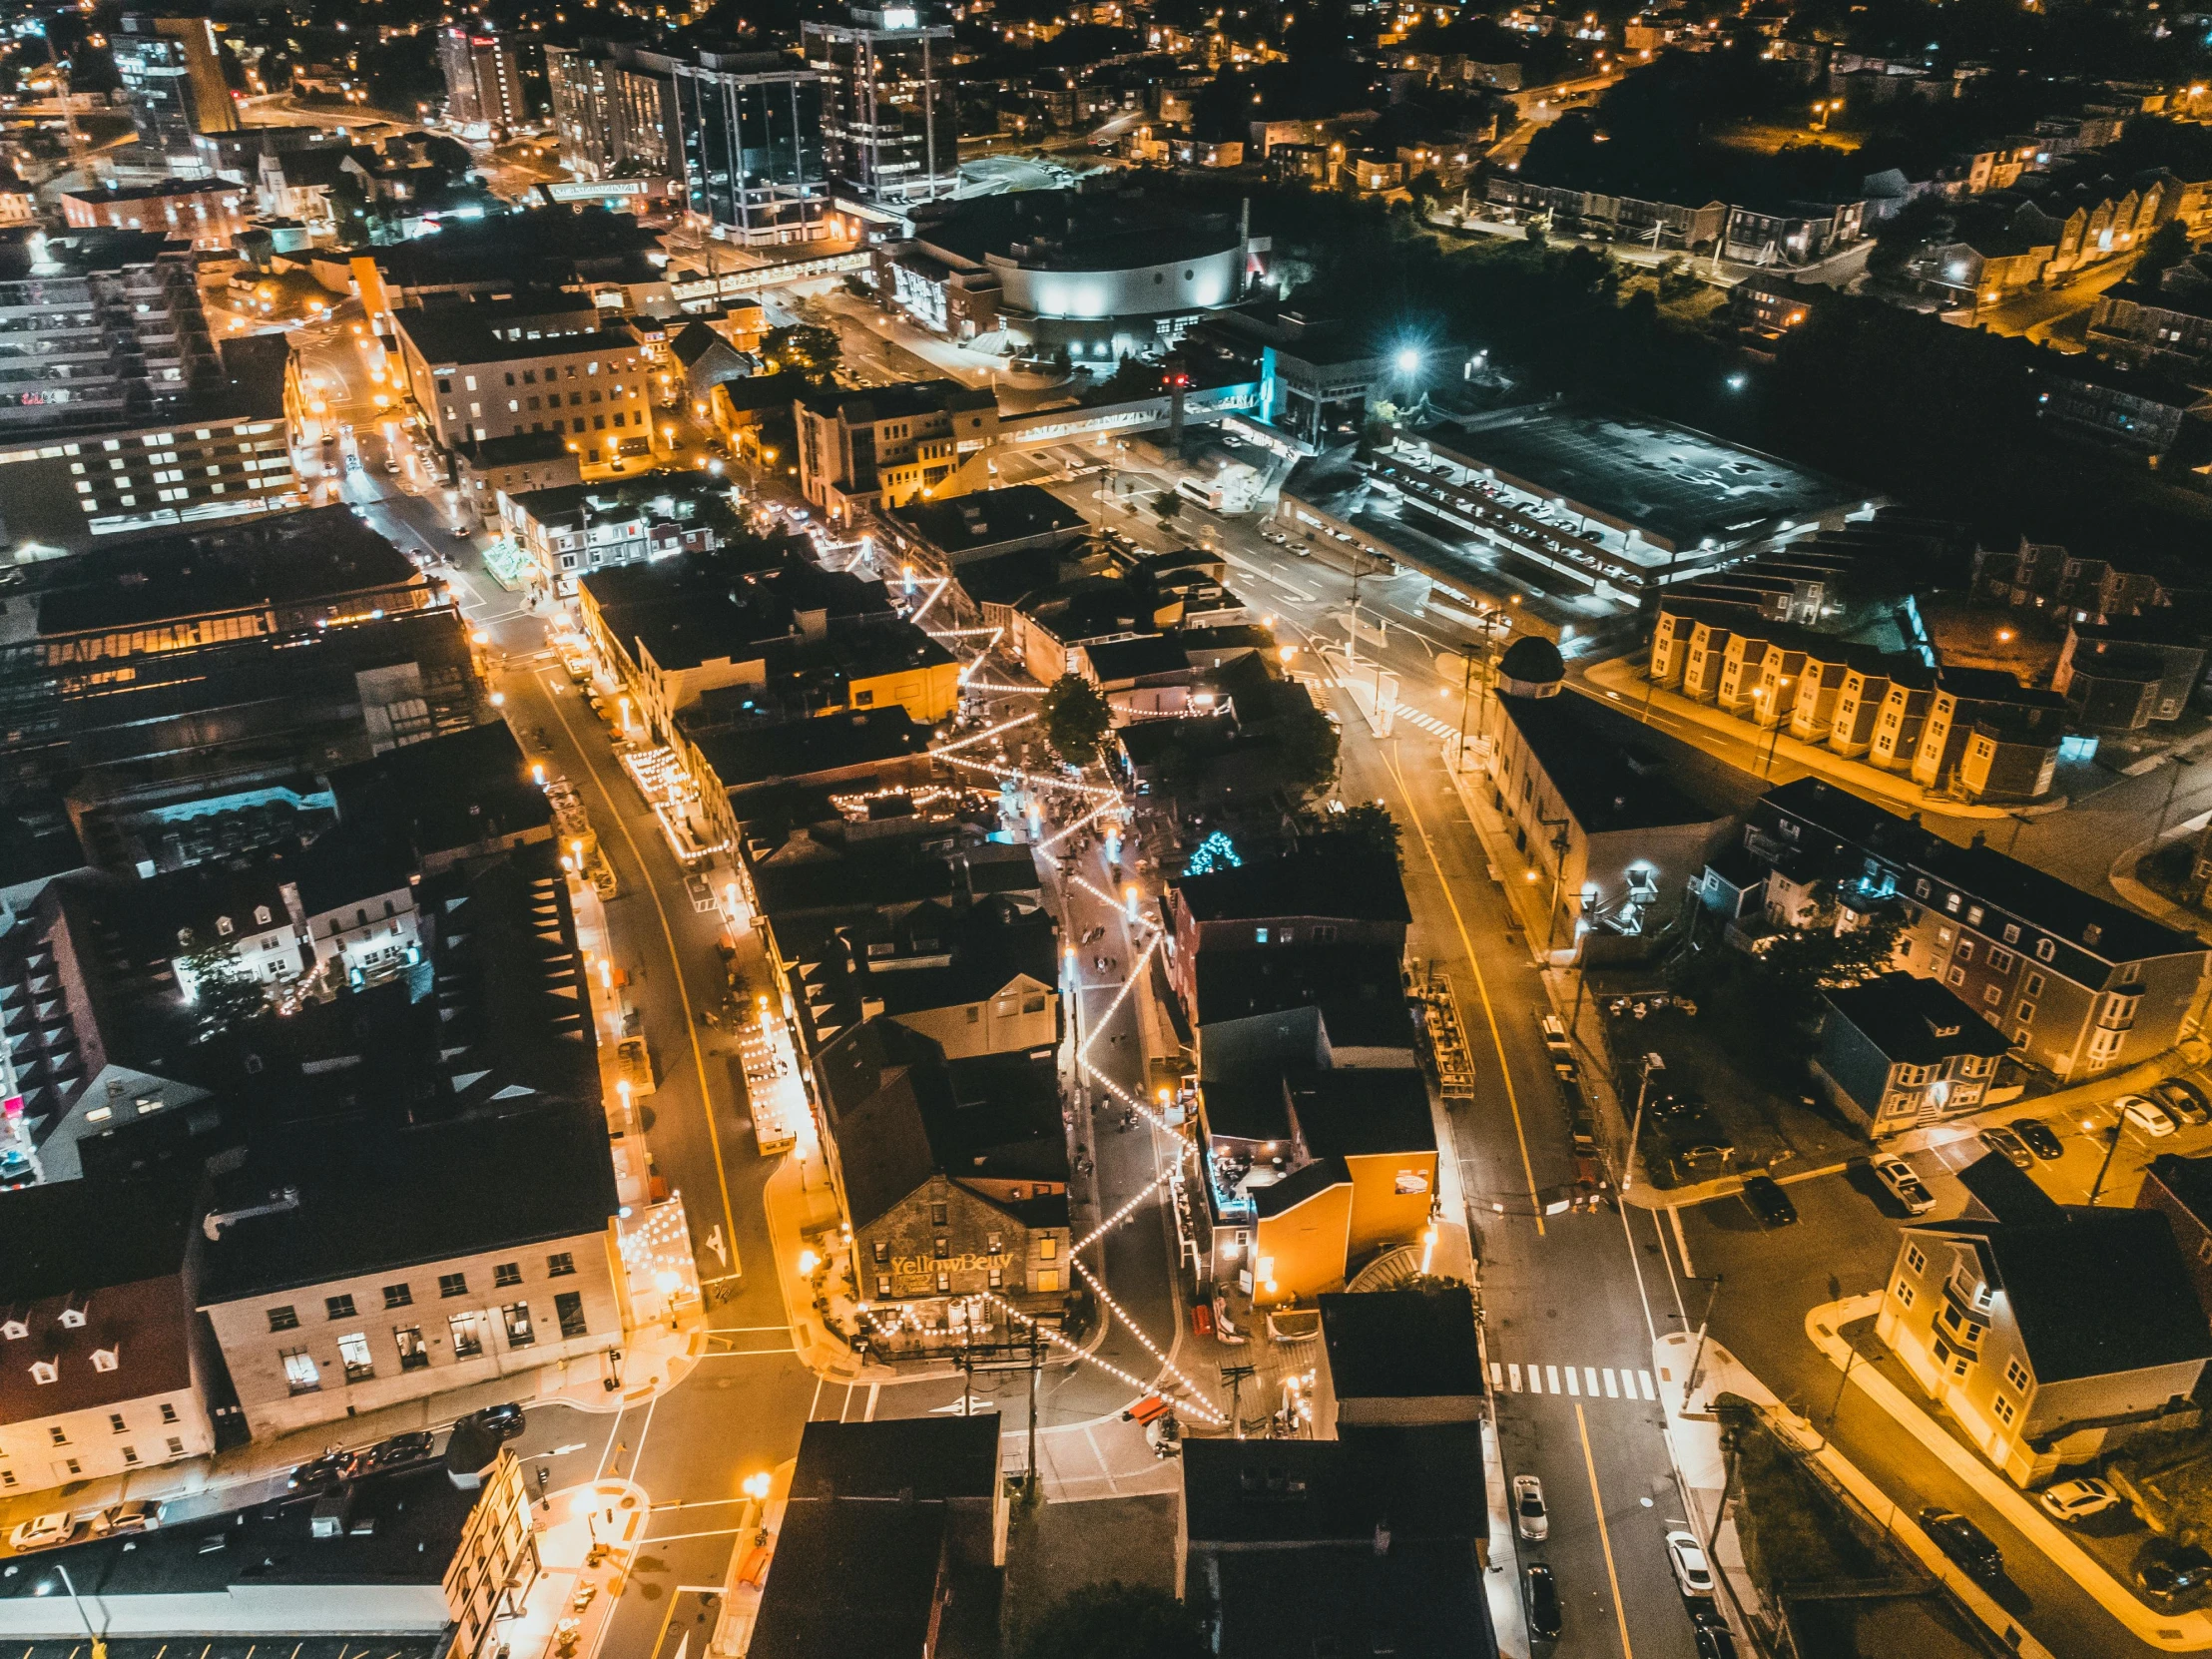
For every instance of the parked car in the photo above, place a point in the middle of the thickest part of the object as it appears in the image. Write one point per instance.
(1691, 1571)
(1904, 1185)
(1965, 1543)
(2184, 1101)
(1714, 1641)
(1769, 1201)
(503, 1421)
(326, 1470)
(139, 1514)
(2175, 1577)
(16, 1170)
(2072, 1501)
(397, 1452)
(2038, 1138)
(1530, 1519)
(1543, 1602)
(2007, 1145)
(43, 1532)
(2147, 1115)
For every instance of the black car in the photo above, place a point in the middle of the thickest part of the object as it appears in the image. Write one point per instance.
(2038, 1137)
(1769, 1201)
(2174, 1577)
(1965, 1543)
(1543, 1603)
(503, 1421)
(326, 1470)
(1715, 1642)
(397, 1452)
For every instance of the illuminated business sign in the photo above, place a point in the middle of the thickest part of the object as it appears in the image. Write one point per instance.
(605, 189)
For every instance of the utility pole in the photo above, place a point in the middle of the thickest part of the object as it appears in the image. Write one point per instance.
(1652, 1062)
(1036, 1362)
(2111, 1145)
(1237, 1377)
(1697, 1356)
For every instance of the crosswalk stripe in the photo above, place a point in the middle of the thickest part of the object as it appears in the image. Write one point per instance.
(1551, 1376)
(1497, 1374)
(1643, 1380)
(1613, 1391)
(1590, 1371)
(1574, 1386)
(1514, 1373)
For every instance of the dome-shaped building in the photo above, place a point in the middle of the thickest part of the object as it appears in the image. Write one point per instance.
(1532, 667)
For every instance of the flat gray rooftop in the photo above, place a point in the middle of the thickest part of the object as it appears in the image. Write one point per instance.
(1669, 483)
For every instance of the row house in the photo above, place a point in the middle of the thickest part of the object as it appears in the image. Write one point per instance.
(2080, 985)
(2164, 324)
(2044, 576)
(2129, 673)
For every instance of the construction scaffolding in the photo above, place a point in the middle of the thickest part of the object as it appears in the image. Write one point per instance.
(1429, 989)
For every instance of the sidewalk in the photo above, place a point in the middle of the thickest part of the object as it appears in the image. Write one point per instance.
(2174, 1632)
(572, 1592)
(1695, 1434)
(1620, 677)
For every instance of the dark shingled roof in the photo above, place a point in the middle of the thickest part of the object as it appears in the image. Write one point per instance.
(1921, 1023)
(1424, 1483)
(1358, 1112)
(1279, 1197)
(1334, 880)
(1402, 1345)
(1590, 765)
(931, 1458)
(2094, 1292)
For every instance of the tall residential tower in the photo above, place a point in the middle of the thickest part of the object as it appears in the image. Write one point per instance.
(888, 121)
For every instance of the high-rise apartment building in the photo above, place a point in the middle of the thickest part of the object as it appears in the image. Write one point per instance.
(754, 153)
(889, 119)
(484, 95)
(614, 107)
(99, 325)
(172, 77)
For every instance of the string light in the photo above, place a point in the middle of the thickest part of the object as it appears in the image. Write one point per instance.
(1016, 774)
(987, 733)
(1054, 1338)
(937, 594)
(1117, 1218)
(1150, 1347)
(1091, 816)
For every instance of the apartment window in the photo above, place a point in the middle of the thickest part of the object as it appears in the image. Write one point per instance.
(415, 1352)
(1047, 1249)
(944, 1279)
(1914, 1259)
(353, 1353)
(300, 1372)
(2045, 950)
(176, 1449)
(559, 1265)
(936, 1215)
(2017, 1374)
(517, 1316)
(114, 1422)
(1992, 994)
(2032, 986)
(445, 382)
(506, 1275)
(399, 1296)
(1965, 950)
(72, 1465)
(1951, 903)
(882, 1284)
(168, 1413)
(283, 1318)
(1049, 1278)
(59, 1434)
(2004, 1410)
(468, 1335)
(2000, 960)
(2027, 1013)
(469, 381)
(1957, 977)
(1974, 915)
(1905, 1295)
(882, 1252)
(941, 1252)
(339, 1307)
(452, 1283)
(568, 1308)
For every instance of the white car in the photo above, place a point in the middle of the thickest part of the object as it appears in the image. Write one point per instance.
(1904, 1185)
(1530, 1519)
(2147, 1115)
(1691, 1571)
(43, 1532)
(2072, 1501)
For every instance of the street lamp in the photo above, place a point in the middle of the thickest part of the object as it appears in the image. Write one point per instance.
(98, 1646)
(2111, 1145)
(1651, 1062)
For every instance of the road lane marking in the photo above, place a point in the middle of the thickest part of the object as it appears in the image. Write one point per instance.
(1551, 1378)
(1489, 1012)
(1575, 1384)
(1612, 1389)
(1497, 1375)
(1643, 1381)
(668, 936)
(1514, 1373)
(1604, 1534)
(1681, 1244)
(874, 1391)
(1589, 1374)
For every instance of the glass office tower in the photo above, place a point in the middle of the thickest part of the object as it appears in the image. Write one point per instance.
(890, 127)
(753, 147)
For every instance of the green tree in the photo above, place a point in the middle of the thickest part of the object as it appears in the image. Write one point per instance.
(2162, 249)
(1426, 190)
(1370, 824)
(1305, 745)
(1797, 967)
(1076, 719)
(1115, 1621)
(222, 994)
(802, 347)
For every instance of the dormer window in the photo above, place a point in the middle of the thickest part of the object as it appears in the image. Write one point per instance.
(14, 1327)
(72, 1315)
(261, 914)
(105, 1359)
(44, 1371)
(223, 927)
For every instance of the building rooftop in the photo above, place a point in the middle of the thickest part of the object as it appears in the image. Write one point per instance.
(1412, 1343)
(899, 401)
(1423, 1483)
(1356, 987)
(31, 253)
(1331, 878)
(446, 793)
(1915, 1022)
(456, 334)
(1041, 229)
(97, 195)
(745, 756)
(1606, 784)
(697, 608)
(377, 1197)
(285, 559)
(1361, 1112)
(912, 1459)
(966, 525)
(516, 449)
(1672, 484)
(2094, 1292)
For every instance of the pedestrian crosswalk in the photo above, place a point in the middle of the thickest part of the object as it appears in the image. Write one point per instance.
(1576, 1381)
(1426, 721)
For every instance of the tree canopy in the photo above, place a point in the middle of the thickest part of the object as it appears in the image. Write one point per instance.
(1076, 720)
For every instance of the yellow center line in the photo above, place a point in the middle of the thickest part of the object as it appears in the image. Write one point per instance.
(1604, 1538)
(691, 1020)
(1498, 1039)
